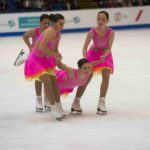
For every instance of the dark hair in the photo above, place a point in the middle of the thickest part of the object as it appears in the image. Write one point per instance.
(51, 16)
(44, 16)
(104, 12)
(81, 62)
(55, 17)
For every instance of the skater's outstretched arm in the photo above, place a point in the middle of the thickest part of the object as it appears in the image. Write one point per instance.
(63, 66)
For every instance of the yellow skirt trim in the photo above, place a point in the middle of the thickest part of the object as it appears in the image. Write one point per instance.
(37, 76)
(65, 94)
(98, 71)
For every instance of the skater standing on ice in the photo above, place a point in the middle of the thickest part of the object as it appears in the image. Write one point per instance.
(40, 64)
(45, 21)
(103, 38)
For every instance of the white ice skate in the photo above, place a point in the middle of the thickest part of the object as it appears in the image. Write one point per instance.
(76, 107)
(60, 109)
(21, 58)
(101, 109)
(39, 104)
(47, 104)
(54, 109)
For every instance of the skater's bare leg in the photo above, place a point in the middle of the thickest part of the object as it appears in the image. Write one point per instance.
(48, 86)
(103, 91)
(38, 89)
(57, 97)
(105, 82)
(56, 89)
(76, 103)
(81, 89)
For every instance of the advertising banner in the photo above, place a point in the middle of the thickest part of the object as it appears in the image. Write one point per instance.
(76, 19)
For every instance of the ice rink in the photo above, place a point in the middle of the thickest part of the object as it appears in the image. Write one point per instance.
(125, 127)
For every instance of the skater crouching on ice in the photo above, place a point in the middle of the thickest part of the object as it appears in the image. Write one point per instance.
(69, 78)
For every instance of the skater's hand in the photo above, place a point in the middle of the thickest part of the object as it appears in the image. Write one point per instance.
(94, 63)
(58, 59)
(58, 55)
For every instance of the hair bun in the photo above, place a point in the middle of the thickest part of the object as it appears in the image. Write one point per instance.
(52, 17)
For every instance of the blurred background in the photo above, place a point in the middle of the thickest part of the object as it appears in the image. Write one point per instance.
(12, 6)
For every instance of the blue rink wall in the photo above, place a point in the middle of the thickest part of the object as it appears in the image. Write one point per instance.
(127, 27)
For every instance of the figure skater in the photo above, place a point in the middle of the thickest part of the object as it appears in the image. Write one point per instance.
(34, 34)
(69, 78)
(103, 38)
(40, 64)
(45, 21)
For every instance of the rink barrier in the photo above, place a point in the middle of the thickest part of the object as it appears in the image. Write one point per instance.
(77, 20)
(128, 27)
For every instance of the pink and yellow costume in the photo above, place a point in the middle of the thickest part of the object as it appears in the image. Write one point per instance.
(66, 83)
(101, 45)
(39, 63)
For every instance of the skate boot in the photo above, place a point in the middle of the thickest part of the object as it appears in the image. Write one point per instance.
(101, 109)
(76, 106)
(58, 116)
(22, 56)
(39, 105)
(47, 104)
(61, 110)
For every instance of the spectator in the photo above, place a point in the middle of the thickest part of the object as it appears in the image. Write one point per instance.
(19, 5)
(67, 5)
(119, 3)
(4, 6)
(39, 5)
(58, 5)
(102, 3)
(74, 4)
(135, 2)
(146, 2)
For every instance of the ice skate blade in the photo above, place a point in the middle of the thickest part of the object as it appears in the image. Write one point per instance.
(59, 119)
(103, 113)
(75, 112)
(64, 117)
(39, 110)
(47, 108)
(19, 55)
